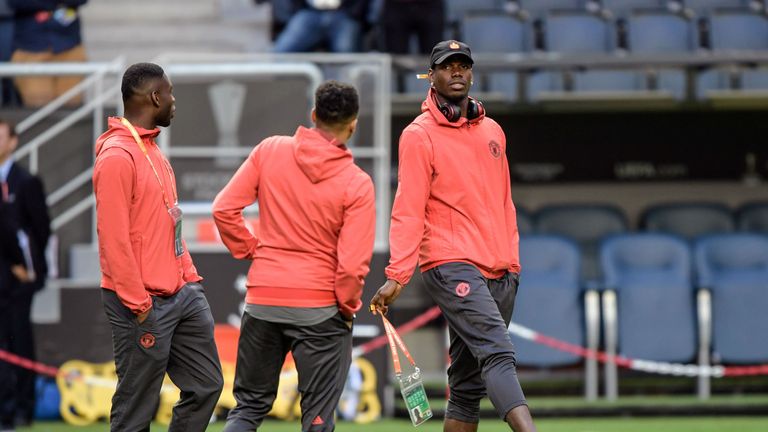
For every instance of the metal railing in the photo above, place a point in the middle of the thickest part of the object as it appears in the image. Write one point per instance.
(95, 75)
(203, 66)
(356, 67)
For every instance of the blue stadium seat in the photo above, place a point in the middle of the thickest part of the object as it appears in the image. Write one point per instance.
(550, 273)
(578, 33)
(738, 31)
(506, 83)
(540, 83)
(581, 33)
(753, 217)
(629, 83)
(623, 8)
(498, 34)
(688, 220)
(754, 79)
(524, 221)
(493, 33)
(648, 308)
(414, 85)
(606, 84)
(705, 7)
(609, 80)
(713, 80)
(672, 81)
(652, 32)
(741, 80)
(550, 282)
(540, 8)
(660, 32)
(457, 9)
(734, 267)
(587, 225)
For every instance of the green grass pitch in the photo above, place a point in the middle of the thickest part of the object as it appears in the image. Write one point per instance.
(630, 424)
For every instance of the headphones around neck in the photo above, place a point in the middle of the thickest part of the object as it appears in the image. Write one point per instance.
(452, 111)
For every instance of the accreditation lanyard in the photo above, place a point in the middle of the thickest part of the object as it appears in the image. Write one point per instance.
(396, 341)
(173, 210)
(411, 385)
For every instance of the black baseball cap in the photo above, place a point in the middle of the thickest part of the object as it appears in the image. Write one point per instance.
(448, 48)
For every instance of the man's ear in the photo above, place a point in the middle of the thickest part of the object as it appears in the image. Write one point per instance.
(155, 97)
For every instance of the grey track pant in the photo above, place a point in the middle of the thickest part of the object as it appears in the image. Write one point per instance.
(176, 337)
(478, 311)
(323, 353)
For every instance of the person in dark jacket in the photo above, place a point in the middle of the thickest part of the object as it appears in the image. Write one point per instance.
(23, 269)
(6, 50)
(337, 23)
(401, 19)
(47, 31)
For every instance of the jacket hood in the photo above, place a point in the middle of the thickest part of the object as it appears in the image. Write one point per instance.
(116, 128)
(430, 105)
(318, 155)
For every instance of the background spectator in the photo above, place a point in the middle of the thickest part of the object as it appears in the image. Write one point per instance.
(337, 24)
(6, 48)
(22, 198)
(47, 31)
(401, 19)
(282, 10)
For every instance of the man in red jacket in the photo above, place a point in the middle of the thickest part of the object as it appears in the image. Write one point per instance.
(453, 215)
(160, 318)
(309, 259)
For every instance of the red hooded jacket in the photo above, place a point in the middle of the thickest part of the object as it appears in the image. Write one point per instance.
(136, 233)
(316, 222)
(454, 199)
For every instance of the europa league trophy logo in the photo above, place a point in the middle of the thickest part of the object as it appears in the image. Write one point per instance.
(227, 99)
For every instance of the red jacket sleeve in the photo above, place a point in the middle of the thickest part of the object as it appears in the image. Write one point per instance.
(188, 267)
(113, 181)
(355, 245)
(406, 229)
(241, 191)
(190, 271)
(511, 216)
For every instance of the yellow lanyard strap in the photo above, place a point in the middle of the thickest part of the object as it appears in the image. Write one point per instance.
(140, 143)
(394, 342)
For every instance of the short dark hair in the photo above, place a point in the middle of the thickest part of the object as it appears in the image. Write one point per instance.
(336, 103)
(11, 127)
(137, 75)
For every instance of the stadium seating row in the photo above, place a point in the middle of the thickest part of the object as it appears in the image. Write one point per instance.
(643, 32)
(588, 225)
(661, 84)
(664, 300)
(534, 9)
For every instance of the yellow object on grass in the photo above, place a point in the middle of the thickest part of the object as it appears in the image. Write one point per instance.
(87, 388)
